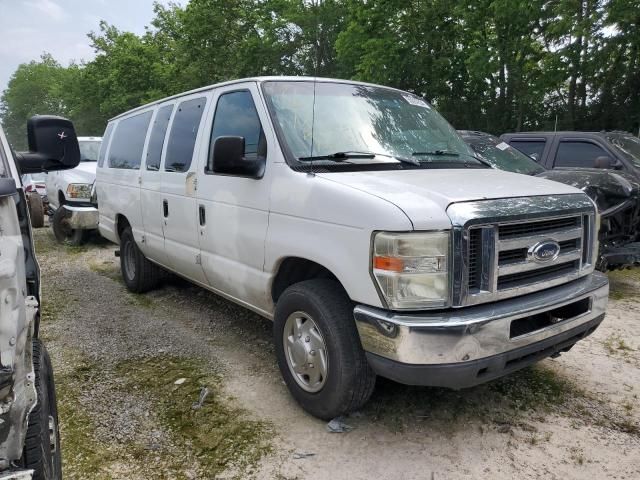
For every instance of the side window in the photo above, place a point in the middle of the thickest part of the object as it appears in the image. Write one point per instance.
(105, 144)
(182, 139)
(156, 140)
(578, 154)
(236, 115)
(128, 141)
(533, 148)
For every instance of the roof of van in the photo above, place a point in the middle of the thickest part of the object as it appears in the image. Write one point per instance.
(249, 79)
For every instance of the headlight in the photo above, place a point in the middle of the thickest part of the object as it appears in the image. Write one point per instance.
(79, 190)
(411, 269)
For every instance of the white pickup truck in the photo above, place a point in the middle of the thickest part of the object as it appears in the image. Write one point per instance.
(356, 218)
(71, 195)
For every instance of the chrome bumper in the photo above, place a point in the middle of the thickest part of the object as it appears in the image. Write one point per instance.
(466, 336)
(82, 218)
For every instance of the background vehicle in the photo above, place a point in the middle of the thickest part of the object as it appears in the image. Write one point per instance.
(617, 195)
(30, 440)
(34, 185)
(553, 150)
(72, 200)
(356, 218)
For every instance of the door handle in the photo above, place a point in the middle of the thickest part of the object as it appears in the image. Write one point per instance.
(165, 208)
(202, 215)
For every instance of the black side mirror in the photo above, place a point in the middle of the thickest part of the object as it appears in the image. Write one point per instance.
(604, 162)
(53, 145)
(228, 158)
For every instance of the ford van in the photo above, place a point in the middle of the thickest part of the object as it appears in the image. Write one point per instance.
(357, 219)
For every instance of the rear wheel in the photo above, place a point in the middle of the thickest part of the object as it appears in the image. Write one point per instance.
(319, 351)
(139, 274)
(42, 445)
(36, 209)
(62, 231)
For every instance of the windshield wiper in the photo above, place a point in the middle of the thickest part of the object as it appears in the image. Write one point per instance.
(447, 153)
(338, 156)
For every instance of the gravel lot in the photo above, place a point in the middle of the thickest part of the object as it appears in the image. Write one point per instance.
(130, 370)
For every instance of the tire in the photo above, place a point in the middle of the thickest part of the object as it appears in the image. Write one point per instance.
(349, 381)
(36, 209)
(62, 231)
(42, 445)
(139, 274)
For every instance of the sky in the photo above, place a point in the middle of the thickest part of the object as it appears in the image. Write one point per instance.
(30, 27)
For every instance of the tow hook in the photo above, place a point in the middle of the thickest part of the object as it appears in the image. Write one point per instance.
(117, 253)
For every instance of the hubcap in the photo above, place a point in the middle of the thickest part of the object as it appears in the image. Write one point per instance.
(305, 351)
(53, 437)
(129, 260)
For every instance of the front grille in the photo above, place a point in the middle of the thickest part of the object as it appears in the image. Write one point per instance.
(545, 273)
(537, 227)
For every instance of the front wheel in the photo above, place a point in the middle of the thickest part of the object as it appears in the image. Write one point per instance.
(42, 445)
(319, 351)
(62, 231)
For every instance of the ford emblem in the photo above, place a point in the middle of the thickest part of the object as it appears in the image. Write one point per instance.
(545, 251)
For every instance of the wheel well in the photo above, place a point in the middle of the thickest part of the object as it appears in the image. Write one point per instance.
(121, 224)
(61, 199)
(293, 270)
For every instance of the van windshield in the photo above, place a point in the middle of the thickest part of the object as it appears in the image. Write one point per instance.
(335, 122)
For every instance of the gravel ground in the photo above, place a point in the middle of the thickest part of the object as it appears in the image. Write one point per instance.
(118, 356)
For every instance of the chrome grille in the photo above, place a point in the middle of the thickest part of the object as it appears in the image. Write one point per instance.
(495, 250)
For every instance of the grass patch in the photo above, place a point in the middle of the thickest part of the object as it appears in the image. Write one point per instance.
(220, 436)
(624, 283)
(616, 345)
(82, 456)
(106, 268)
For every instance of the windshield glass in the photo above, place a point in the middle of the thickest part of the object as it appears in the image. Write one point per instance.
(38, 177)
(503, 156)
(628, 145)
(89, 150)
(356, 119)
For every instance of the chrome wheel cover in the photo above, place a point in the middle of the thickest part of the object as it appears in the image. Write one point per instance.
(305, 351)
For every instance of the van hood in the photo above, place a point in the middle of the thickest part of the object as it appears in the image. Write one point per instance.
(425, 195)
(85, 172)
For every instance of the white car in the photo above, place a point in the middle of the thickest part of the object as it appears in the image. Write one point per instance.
(356, 218)
(70, 193)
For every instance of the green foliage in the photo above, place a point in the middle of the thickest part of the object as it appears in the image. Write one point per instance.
(493, 65)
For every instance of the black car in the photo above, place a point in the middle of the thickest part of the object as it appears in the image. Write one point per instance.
(616, 193)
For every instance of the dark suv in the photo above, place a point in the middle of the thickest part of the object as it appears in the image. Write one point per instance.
(607, 150)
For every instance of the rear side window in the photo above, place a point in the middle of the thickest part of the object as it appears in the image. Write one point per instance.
(533, 148)
(578, 154)
(156, 140)
(105, 143)
(182, 139)
(236, 115)
(128, 141)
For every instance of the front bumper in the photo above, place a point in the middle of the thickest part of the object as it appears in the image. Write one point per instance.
(465, 347)
(81, 217)
(17, 475)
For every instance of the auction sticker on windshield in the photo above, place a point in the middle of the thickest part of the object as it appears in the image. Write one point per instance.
(418, 102)
(502, 146)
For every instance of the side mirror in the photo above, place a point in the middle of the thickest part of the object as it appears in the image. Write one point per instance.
(604, 162)
(228, 158)
(53, 145)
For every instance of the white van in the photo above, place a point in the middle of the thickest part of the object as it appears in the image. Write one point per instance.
(356, 218)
